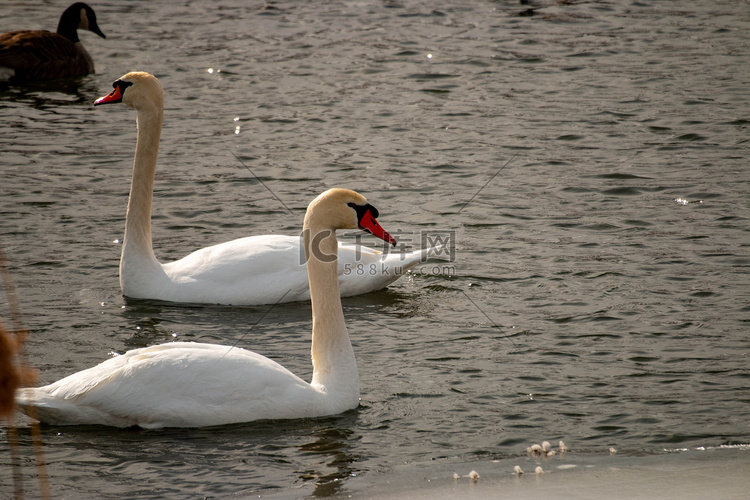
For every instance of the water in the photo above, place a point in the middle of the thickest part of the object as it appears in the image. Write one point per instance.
(590, 162)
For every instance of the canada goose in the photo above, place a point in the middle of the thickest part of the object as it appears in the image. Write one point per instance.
(43, 55)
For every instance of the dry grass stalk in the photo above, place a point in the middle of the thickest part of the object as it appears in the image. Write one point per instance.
(14, 373)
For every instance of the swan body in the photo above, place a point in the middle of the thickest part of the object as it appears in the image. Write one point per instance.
(265, 269)
(42, 55)
(184, 384)
(247, 271)
(180, 384)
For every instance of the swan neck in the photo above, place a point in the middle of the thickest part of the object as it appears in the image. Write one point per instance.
(137, 241)
(332, 353)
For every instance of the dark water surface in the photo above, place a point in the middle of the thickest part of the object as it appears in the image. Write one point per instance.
(600, 290)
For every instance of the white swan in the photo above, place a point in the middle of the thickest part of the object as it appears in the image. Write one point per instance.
(185, 384)
(42, 55)
(247, 271)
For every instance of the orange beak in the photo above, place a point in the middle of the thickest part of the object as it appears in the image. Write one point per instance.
(369, 224)
(114, 96)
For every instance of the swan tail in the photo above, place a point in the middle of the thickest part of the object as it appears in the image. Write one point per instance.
(41, 406)
(424, 255)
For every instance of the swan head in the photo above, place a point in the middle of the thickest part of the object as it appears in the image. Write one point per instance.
(138, 89)
(344, 209)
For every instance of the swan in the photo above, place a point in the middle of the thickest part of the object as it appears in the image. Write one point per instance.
(253, 270)
(42, 55)
(185, 384)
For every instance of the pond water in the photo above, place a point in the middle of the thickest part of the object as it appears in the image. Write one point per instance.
(587, 159)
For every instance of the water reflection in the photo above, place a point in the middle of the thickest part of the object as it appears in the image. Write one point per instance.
(333, 443)
(144, 320)
(256, 455)
(50, 94)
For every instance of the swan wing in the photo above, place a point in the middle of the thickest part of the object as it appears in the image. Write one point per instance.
(364, 269)
(252, 270)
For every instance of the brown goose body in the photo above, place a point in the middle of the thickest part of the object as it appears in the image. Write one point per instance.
(43, 55)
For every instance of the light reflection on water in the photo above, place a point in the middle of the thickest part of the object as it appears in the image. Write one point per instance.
(599, 293)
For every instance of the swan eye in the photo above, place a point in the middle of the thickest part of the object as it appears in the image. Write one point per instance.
(122, 84)
(373, 210)
(362, 210)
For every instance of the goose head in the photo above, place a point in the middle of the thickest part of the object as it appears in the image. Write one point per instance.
(78, 16)
(344, 209)
(139, 90)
